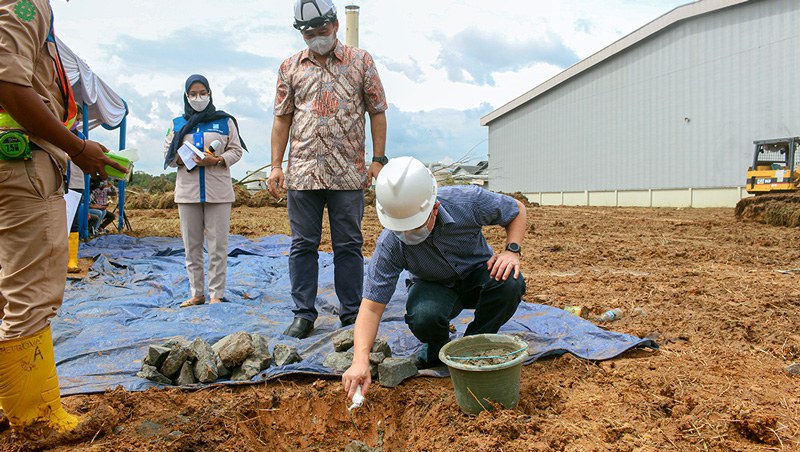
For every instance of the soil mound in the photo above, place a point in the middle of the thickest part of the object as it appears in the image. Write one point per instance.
(165, 201)
(139, 201)
(242, 196)
(262, 198)
(777, 209)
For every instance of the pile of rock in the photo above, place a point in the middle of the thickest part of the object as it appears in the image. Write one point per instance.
(237, 357)
(389, 371)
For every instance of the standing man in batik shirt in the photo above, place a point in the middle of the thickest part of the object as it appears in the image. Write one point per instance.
(322, 95)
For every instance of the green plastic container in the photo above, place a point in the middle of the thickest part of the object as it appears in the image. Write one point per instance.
(112, 172)
(476, 386)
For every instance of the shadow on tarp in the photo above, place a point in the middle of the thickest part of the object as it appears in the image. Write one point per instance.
(130, 300)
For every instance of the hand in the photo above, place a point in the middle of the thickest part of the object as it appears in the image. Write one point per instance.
(207, 160)
(276, 182)
(357, 374)
(502, 264)
(373, 171)
(179, 161)
(92, 160)
(103, 207)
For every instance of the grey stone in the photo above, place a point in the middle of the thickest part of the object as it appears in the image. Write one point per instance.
(173, 342)
(358, 446)
(221, 343)
(339, 360)
(376, 358)
(237, 349)
(381, 346)
(177, 356)
(155, 356)
(392, 371)
(151, 373)
(222, 371)
(343, 341)
(186, 375)
(205, 366)
(793, 369)
(260, 345)
(286, 354)
(250, 367)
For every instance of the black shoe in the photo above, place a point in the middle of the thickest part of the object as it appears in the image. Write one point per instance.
(422, 361)
(348, 322)
(300, 328)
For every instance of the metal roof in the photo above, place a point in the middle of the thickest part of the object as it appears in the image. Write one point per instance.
(676, 15)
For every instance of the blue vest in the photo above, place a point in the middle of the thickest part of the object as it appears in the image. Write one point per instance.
(219, 126)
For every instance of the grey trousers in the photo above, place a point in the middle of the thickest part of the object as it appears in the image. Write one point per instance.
(215, 219)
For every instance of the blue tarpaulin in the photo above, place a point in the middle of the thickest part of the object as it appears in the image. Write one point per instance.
(130, 301)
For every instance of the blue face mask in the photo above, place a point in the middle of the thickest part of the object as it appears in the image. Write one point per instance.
(414, 236)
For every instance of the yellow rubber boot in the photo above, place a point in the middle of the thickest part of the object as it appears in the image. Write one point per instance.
(72, 265)
(29, 393)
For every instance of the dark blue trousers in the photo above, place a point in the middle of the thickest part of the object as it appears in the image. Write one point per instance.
(431, 306)
(345, 211)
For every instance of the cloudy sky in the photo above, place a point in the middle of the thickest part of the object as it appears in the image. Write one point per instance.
(444, 64)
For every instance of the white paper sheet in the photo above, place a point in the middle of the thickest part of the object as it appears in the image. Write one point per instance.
(72, 198)
(186, 152)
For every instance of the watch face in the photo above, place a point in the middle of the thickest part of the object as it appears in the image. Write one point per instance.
(513, 247)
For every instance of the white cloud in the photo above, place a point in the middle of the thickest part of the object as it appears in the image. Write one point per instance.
(444, 64)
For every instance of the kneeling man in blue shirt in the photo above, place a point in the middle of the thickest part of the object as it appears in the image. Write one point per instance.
(437, 236)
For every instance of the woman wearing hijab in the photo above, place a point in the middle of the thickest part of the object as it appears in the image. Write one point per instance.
(204, 194)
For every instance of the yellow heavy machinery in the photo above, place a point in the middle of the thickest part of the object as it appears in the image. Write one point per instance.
(774, 178)
(774, 167)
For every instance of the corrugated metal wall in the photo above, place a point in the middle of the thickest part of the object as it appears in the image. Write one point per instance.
(680, 109)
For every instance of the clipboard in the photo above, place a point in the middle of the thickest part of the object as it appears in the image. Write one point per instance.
(187, 151)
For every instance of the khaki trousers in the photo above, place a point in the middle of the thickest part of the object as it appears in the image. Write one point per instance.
(33, 244)
(215, 219)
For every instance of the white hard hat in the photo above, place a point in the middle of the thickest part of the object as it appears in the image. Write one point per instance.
(405, 193)
(310, 14)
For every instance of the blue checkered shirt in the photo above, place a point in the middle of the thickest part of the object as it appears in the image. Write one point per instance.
(453, 250)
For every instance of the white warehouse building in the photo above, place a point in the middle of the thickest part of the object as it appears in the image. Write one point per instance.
(666, 116)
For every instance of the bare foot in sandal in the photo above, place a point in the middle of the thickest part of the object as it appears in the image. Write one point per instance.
(194, 301)
(215, 300)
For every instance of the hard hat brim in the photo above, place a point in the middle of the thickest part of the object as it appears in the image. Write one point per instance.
(404, 224)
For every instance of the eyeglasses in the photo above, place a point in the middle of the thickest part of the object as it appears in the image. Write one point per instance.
(320, 21)
(317, 22)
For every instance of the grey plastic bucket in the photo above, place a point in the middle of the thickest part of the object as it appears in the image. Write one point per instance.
(477, 387)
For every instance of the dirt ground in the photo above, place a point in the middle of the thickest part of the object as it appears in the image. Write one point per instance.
(720, 295)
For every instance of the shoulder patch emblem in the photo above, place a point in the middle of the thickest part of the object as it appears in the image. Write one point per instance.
(25, 10)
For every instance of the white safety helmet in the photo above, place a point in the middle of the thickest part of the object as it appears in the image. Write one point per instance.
(405, 193)
(311, 14)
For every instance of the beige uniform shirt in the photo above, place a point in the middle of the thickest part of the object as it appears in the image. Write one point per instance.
(27, 59)
(215, 183)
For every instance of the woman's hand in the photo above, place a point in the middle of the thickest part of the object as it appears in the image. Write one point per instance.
(208, 160)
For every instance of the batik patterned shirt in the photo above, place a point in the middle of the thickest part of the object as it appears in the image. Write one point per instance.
(328, 102)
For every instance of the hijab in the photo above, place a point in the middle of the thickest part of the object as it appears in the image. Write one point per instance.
(193, 118)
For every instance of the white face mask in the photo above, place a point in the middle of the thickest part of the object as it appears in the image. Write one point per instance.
(199, 103)
(321, 44)
(414, 236)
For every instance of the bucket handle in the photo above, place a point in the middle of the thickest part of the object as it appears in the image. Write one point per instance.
(495, 357)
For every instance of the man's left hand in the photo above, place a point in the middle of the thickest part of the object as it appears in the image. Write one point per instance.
(501, 265)
(373, 171)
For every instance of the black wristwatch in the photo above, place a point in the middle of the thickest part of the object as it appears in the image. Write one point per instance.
(383, 160)
(514, 248)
